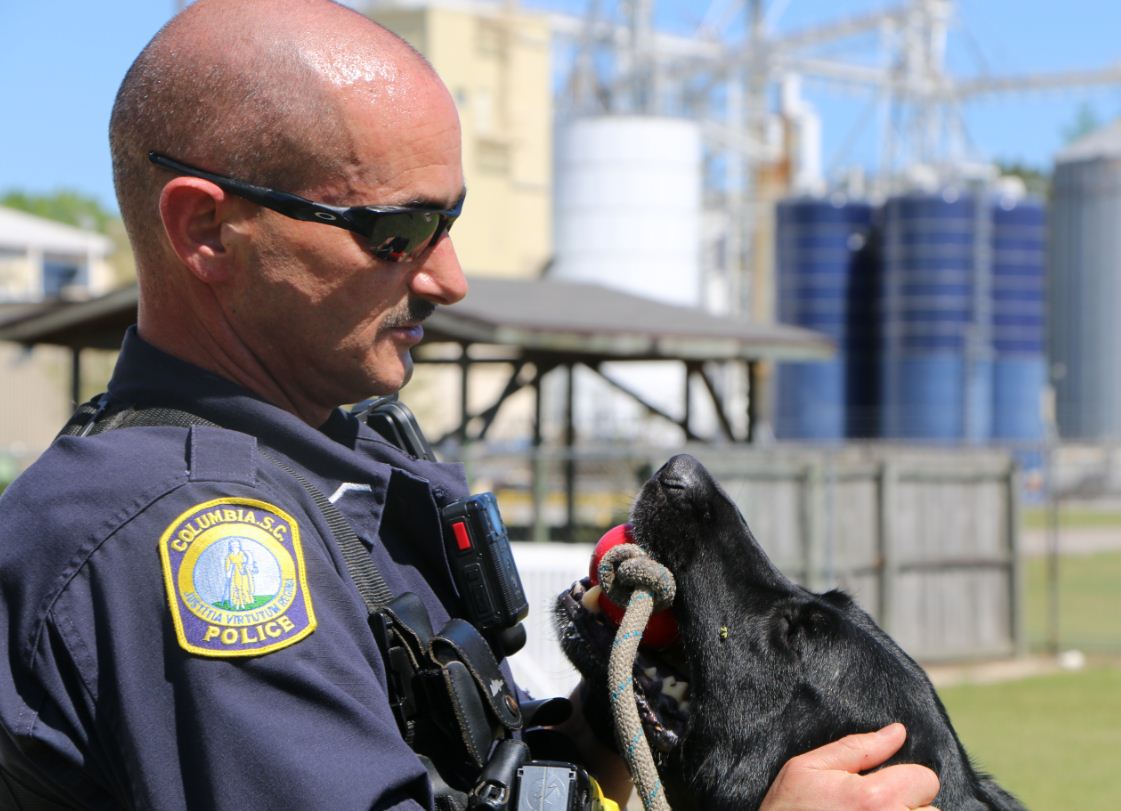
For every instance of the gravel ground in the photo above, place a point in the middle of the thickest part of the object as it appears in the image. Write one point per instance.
(1081, 541)
(1002, 670)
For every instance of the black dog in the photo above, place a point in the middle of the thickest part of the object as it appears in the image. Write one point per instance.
(774, 670)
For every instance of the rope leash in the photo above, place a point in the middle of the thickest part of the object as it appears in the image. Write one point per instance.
(629, 577)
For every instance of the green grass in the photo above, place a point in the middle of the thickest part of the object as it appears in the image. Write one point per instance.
(1089, 603)
(1054, 741)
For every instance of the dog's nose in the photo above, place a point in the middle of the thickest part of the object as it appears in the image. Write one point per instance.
(682, 472)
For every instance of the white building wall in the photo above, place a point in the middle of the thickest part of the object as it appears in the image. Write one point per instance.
(31, 246)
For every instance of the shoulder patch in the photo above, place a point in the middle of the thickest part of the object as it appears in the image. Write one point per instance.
(235, 578)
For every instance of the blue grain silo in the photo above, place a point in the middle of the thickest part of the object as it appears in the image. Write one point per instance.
(821, 249)
(1018, 318)
(936, 347)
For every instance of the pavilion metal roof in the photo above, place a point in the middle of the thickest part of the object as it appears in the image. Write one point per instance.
(590, 320)
(97, 323)
(536, 317)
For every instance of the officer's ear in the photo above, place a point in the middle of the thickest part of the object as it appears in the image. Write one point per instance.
(200, 220)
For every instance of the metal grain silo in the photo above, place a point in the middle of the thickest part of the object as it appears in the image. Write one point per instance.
(821, 249)
(1084, 295)
(936, 348)
(627, 215)
(628, 205)
(1018, 312)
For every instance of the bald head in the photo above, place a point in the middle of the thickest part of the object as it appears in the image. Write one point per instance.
(255, 89)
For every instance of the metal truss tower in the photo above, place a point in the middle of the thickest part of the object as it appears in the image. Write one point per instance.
(726, 72)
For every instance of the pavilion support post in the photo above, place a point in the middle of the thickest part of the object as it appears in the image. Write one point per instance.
(464, 394)
(687, 404)
(753, 404)
(761, 401)
(570, 451)
(539, 485)
(76, 375)
(717, 403)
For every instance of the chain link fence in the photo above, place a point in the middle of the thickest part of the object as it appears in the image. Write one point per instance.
(1072, 549)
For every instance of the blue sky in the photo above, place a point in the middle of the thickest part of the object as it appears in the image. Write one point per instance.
(63, 59)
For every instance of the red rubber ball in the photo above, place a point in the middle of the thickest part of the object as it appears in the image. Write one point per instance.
(661, 630)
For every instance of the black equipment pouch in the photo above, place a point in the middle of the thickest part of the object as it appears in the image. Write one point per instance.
(498, 780)
(484, 706)
(448, 694)
(403, 633)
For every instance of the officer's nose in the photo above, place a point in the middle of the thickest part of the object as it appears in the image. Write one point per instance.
(440, 279)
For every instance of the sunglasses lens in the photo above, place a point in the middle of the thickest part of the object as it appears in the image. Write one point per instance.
(403, 236)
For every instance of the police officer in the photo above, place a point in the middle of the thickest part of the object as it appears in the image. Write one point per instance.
(179, 627)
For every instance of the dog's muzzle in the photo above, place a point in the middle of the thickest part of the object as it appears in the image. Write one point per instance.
(661, 689)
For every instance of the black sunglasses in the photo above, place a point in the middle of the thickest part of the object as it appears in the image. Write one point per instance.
(395, 233)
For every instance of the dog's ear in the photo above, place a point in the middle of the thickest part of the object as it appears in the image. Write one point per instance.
(797, 625)
(842, 600)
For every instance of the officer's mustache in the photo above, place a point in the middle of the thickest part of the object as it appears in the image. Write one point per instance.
(412, 312)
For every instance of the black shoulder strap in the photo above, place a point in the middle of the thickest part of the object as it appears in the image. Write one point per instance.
(371, 585)
(98, 415)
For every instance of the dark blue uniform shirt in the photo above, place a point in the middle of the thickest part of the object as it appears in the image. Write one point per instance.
(102, 704)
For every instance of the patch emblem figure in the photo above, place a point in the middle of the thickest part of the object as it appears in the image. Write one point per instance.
(235, 578)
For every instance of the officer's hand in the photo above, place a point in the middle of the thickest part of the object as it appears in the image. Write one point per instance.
(830, 779)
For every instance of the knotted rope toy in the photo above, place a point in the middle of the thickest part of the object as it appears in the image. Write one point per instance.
(630, 577)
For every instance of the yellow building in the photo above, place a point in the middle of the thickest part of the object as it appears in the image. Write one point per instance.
(496, 62)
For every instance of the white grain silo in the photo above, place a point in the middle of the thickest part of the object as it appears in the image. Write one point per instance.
(628, 205)
(628, 216)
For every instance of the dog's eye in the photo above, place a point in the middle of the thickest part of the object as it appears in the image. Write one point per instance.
(782, 631)
(787, 629)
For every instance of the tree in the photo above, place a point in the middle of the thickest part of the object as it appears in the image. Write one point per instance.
(1086, 120)
(1037, 181)
(65, 205)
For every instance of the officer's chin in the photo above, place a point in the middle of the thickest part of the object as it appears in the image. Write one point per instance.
(390, 381)
(406, 370)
